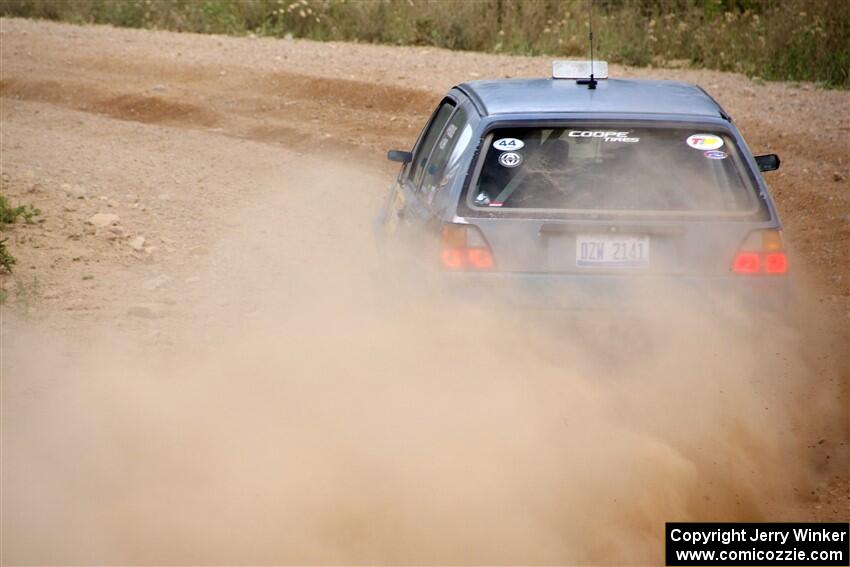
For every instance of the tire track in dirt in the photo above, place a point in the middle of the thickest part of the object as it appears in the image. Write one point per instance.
(278, 108)
(128, 106)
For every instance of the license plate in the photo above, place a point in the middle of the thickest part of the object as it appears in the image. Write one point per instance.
(611, 251)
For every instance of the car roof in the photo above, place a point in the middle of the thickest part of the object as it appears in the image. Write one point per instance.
(611, 96)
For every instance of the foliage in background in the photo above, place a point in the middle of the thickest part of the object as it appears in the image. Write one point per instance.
(772, 39)
(9, 215)
(6, 259)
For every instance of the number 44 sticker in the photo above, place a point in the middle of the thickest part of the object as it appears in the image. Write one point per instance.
(508, 144)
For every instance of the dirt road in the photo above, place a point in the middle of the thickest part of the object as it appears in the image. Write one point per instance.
(211, 376)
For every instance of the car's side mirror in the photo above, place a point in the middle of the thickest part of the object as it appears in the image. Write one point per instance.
(399, 156)
(768, 162)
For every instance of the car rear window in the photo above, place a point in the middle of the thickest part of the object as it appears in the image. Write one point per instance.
(613, 168)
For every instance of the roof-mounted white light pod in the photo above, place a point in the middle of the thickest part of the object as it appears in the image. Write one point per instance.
(563, 69)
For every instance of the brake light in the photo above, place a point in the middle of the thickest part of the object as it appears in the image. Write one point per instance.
(776, 263)
(746, 263)
(462, 247)
(479, 258)
(452, 258)
(763, 252)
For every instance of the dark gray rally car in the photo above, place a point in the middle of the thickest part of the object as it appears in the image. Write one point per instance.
(559, 193)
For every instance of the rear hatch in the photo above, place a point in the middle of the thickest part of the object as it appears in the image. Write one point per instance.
(614, 198)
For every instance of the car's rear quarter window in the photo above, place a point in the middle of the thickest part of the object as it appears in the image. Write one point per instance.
(429, 138)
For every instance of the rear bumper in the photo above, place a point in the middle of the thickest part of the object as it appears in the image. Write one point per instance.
(641, 295)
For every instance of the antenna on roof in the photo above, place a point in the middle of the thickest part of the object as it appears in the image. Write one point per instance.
(584, 72)
(591, 82)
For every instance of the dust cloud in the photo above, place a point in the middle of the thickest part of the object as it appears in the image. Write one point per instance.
(302, 412)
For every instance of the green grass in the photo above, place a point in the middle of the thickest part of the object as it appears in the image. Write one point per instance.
(800, 40)
(10, 215)
(6, 259)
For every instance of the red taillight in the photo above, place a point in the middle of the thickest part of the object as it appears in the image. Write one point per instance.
(479, 258)
(776, 263)
(452, 258)
(462, 247)
(746, 263)
(761, 253)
